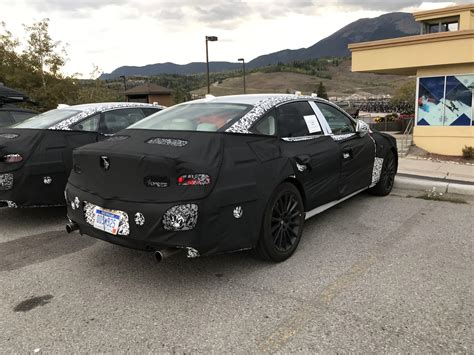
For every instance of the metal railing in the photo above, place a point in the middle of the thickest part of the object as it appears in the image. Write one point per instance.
(407, 134)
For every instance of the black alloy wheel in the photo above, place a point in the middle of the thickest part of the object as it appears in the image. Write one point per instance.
(285, 222)
(282, 224)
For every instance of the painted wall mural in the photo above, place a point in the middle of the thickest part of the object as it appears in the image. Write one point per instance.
(446, 100)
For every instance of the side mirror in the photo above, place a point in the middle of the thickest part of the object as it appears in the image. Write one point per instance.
(362, 128)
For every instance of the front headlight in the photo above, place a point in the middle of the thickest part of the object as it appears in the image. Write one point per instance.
(181, 217)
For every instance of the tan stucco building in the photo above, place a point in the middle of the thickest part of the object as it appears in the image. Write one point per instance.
(442, 59)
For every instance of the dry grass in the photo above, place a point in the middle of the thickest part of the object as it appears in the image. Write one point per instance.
(343, 83)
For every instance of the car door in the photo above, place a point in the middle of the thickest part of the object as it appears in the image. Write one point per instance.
(313, 153)
(356, 152)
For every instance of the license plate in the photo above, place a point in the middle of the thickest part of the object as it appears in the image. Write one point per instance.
(106, 220)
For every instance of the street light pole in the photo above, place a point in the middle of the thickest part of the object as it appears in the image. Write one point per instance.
(124, 82)
(208, 39)
(243, 70)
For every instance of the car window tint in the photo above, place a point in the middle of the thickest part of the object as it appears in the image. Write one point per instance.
(266, 125)
(90, 124)
(149, 111)
(6, 119)
(338, 121)
(291, 119)
(198, 116)
(116, 120)
(21, 116)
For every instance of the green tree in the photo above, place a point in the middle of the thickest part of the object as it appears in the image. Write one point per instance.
(405, 96)
(42, 52)
(321, 91)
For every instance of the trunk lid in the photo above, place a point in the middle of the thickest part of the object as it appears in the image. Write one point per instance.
(144, 165)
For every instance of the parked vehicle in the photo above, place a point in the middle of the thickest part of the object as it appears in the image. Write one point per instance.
(36, 154)
(10, 115)
(226, 174)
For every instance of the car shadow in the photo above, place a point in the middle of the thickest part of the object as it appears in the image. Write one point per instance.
(33, 215)
(139, 269)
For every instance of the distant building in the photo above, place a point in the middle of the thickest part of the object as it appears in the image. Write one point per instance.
(150, 93)
(442, 58)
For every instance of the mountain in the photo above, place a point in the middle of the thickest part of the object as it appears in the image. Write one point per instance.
(391, 25)
(171, 68)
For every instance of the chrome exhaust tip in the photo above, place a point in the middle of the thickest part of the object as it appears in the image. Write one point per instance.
(163, 254)
(71, 227)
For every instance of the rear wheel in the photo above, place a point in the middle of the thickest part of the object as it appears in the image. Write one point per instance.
(387, 176)
(282, 224)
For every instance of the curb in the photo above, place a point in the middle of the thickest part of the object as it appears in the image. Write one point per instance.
(422, 184)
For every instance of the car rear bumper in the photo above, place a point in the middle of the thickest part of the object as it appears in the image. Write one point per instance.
(216, 229)
(27, 190)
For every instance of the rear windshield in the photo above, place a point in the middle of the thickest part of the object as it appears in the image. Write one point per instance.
(205, 116)
(47, 119)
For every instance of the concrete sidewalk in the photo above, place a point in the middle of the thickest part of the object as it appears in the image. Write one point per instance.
(416, 173)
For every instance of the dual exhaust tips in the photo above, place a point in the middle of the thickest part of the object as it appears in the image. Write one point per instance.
(160, 255)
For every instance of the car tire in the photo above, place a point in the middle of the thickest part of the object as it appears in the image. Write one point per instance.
(387, 176)
(282, 224)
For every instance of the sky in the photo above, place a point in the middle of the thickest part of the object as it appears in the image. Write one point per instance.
(110, 34)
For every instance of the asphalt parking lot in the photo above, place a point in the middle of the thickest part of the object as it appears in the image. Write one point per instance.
(373, 274)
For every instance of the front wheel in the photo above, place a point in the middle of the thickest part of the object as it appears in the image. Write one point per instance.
(282, 224)
(387, 177)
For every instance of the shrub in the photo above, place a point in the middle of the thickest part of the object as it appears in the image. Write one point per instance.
(468, 152)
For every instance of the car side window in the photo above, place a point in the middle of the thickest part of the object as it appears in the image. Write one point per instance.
(297, 119)
(338, 121)
(149, 111)
(90, 124)
(6, 119)
(116, 120)
(21, 116)
(266, 125)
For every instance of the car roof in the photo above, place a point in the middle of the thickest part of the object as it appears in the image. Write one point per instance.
(86, 110)
(253, 99)
(104, 106)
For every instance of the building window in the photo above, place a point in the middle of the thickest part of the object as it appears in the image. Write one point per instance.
(445, 100)
(441, 25)
(138, 98)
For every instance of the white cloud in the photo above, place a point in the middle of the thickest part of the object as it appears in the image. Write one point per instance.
(140, 32)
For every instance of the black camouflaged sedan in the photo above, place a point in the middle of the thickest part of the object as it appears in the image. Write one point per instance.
(36, 154)
(226, 174)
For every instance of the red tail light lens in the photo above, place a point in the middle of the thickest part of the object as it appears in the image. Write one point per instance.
(194, 179)
(11, 158)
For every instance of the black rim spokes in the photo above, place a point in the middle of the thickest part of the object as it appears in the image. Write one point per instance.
(285, 221)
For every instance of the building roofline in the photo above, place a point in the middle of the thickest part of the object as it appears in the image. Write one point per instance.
(410, 40)
(444, 11)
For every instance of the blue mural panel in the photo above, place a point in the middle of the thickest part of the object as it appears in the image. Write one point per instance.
(458, 100)
(430, 96)
(446, 100)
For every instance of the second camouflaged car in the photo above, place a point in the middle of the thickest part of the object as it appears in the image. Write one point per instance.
(226, 174)
(36, 154)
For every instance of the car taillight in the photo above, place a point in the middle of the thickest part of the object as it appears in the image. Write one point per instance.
(11, 158)
(194, 179)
